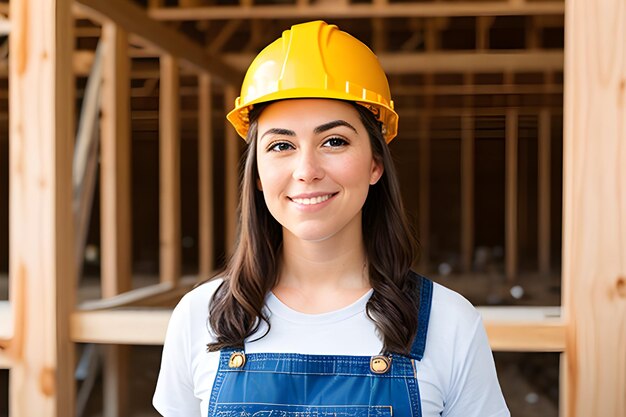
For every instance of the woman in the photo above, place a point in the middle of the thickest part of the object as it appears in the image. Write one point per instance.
(318, 313)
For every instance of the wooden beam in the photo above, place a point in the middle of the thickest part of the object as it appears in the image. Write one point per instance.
(359, 11)
(467, 190)
(544, 157)
(393, 63)
(524, 329)
(144, 326)
(115, 205)
(205, 181)
(229, 29)
(115, 150)
(511, 150)
(424, 191)
(41, 235)
(410, 63)
(537, 329)
(594, 208)
(169, 171)
(134, 19)
(232, 172)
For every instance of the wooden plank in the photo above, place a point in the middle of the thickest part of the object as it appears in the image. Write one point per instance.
(41, 235)
(206, 200)
(483, 25)
(345, 10)
(169, 171)
(134, 19)
(393, 63)
(467, 190)
(424, 192)
(544, 156)
(115, 205)
(115, 150)
(538, 329)
(145, 326)
(594, 207)
(511, 150)
(232, 172)
(436, 61)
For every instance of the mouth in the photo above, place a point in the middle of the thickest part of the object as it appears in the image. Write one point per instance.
(310, 201)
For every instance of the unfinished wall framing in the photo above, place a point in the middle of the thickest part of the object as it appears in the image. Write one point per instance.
(470, 79)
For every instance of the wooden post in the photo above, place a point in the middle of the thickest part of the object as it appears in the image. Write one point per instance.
(543, 245)
(232, 173)
(594, 208)
(467, 190)
(511, 147)
(115, 203)
(424, 192)
(205, 172)
(169, 137)
(115, 151)
(41, 237)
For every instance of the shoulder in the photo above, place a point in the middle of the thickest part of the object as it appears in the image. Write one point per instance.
(199, 297)
(191, 312)
(451, 308)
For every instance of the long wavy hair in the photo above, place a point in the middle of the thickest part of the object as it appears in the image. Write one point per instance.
(236, 310)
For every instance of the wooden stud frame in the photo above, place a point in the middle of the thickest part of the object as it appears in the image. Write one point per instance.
(41, 264)
(594, 209)
(591, 332)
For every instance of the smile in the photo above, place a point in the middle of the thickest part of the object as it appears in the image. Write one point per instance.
(312, 200)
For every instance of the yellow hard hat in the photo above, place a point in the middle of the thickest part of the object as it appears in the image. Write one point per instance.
(316, 60)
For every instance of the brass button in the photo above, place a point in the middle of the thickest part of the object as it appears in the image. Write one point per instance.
(380, 364)
(237, 360)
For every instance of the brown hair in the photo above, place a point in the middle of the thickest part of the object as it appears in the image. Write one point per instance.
(236, 310)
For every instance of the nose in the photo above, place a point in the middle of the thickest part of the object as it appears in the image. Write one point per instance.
(308, 166)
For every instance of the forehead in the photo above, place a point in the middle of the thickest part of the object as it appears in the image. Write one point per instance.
(307, 114)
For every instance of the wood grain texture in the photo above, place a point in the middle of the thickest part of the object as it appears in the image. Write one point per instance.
(115, 205)
(511, 194)
(115, 160)
(169, 171)
(41, 236)
(232, 149)
(205, 179)
(594, 208)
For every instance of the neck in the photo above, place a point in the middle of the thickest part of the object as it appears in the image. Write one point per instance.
(336, 263)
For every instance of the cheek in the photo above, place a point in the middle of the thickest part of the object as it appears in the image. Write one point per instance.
(269, 176)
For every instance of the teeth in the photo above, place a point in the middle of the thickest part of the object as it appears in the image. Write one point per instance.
(310, 201)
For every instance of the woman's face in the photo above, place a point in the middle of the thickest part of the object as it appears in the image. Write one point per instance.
(315, 166)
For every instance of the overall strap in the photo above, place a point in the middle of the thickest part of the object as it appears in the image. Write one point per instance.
(426, 298)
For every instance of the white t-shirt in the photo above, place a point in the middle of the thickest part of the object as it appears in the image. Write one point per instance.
(456, 377)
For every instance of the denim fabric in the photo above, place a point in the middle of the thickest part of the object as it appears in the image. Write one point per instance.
(295, 385)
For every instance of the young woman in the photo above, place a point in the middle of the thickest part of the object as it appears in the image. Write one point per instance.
(318, 313)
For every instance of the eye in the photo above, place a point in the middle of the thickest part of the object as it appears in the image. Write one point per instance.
(335, 142)
(279, 147)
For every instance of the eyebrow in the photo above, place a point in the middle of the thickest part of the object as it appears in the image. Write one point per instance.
(319, 129)
(278, 131)
(334, 123)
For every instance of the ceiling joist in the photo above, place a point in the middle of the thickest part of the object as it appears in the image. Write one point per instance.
(342, 10)
(166, 40)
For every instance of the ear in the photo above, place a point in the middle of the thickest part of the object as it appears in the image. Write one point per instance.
(376, 171)
(259, 185)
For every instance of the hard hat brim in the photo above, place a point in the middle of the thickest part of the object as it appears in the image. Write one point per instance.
(238, 117)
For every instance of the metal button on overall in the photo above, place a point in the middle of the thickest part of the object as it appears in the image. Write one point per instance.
(380, 364)
(237, 360)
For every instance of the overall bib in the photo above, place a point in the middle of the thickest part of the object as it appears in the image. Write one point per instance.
(295, 385)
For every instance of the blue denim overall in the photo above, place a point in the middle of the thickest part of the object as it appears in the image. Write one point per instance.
(295, 385)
